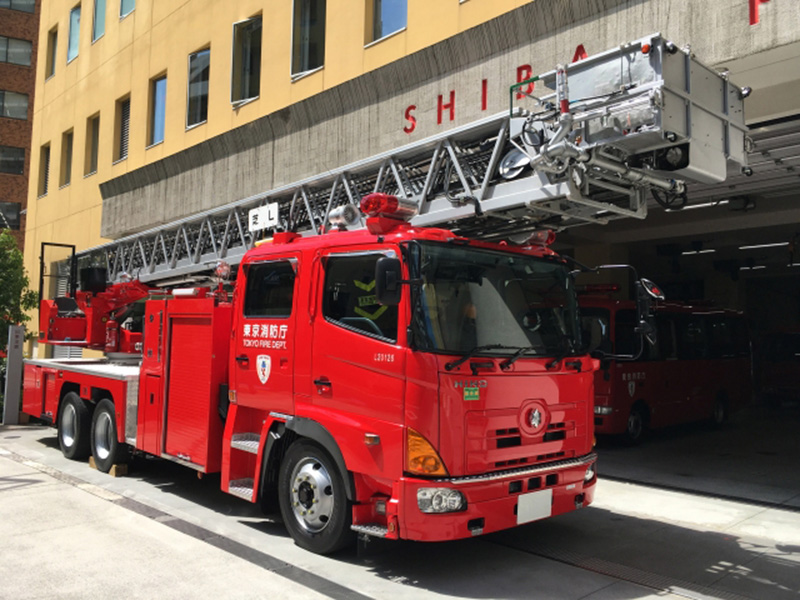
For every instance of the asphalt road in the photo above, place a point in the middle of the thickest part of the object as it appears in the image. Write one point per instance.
(68, 531)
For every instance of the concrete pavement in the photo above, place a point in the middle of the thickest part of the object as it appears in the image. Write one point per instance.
(69, 531)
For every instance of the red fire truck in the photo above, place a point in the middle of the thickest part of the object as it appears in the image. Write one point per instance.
(699, 366)
(400, 381)
(403, 380)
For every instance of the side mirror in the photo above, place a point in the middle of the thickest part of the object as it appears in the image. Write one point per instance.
(388, 280)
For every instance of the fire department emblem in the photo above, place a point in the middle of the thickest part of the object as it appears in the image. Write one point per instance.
(535, 418)
(263, 367)
(631, 388)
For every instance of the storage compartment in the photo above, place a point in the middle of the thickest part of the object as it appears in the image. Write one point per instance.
(199, 335)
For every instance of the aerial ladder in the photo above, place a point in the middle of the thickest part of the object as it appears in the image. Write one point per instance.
(607, 136)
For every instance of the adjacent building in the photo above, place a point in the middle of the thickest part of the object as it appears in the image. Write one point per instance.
(19, 32)
(148, 111)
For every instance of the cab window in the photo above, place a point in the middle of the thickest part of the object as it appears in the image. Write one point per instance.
(349, 297)
(270, 288)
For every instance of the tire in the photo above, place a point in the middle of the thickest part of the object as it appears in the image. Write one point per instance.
(313, 500)
(74, 422)
(636, 426)
(106, 449)
(719, 414)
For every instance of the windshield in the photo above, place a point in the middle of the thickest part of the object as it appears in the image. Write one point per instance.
(472, 297)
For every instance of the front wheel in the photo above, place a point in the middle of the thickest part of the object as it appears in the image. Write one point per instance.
(73, 427)
(635, 428)
(313, 499)
(106, 448)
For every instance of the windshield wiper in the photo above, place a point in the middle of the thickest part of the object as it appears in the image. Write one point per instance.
(456, 363)
(566, 348)
(516, 356)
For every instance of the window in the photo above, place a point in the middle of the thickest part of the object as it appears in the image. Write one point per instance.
(349, 298)
(23, 5)
(308, 36)
(65, 177)
(92, 143)
(44, 170)
(386, 17)
(158, 107)
(126, 7)
(99, 20)
(13, 105)
(270, 289)
(52, 46)
(15, 52)
(9, 215)
(12, 160)
(246, 76)
(74, 33)
(122, 128)
(199, 67)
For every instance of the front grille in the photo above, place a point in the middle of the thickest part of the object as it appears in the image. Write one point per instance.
(508, 438)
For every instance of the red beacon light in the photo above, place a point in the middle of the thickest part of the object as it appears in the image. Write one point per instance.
(543, 237)
(385, 211)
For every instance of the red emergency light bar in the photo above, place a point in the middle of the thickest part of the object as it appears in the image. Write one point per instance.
(386, 205)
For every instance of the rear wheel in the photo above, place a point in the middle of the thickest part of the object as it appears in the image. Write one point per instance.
(106, 448)
(635, 427)
(313, 499)
(74, 422)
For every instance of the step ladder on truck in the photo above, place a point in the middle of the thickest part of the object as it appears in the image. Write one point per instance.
(401, 355)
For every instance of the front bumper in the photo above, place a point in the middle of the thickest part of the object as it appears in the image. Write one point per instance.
(497, 501)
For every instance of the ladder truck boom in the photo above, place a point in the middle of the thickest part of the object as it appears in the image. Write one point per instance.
(611, 134)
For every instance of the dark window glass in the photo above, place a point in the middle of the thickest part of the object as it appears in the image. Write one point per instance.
(13, 105)
(388, 16)
(270, 288)
(52, 48)
(350, 297)
(15, 52)
(158, 109)
(666, 337)
(22, 5)
(92, 141)
(246, 81)
(99, 21)
(625, 337)
(126, 7)
(692, 337)
(74, 33)
(12, 160)
(9, 215)
(66, 158)
(595, 329)
(308, 36)
(199, 68)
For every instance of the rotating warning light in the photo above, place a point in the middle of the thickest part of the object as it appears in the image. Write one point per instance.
(386, 205)
(543, 237)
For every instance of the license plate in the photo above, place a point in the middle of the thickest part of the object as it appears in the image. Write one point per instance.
(534, 506)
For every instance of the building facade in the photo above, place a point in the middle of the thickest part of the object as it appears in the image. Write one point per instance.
(150, 111)
(19, 32)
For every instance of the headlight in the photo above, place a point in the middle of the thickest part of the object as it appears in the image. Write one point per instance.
(603, 410)
(590, 473)
(440, 500)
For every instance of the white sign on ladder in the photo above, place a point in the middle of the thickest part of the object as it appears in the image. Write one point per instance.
(263, 217)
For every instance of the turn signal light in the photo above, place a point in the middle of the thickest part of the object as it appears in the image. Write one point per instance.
(421, 458)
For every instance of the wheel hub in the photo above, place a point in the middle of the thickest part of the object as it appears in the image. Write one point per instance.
(311, 495)
(103, 430)
(69, 425)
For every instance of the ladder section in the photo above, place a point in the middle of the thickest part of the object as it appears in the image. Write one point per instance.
(644, 119)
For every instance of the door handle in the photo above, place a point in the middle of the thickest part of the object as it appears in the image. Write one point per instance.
(243, 359)
(323, 385)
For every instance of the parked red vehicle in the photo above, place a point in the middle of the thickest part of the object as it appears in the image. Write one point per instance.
(395, 381)
(698, 368)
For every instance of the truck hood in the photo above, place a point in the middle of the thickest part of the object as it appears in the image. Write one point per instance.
(499, 420)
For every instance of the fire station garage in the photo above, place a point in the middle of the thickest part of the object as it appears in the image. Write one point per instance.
(730, 247)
